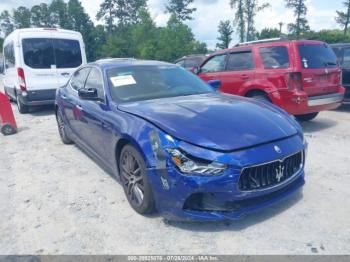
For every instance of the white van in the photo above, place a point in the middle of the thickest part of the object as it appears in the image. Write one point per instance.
(37, 61)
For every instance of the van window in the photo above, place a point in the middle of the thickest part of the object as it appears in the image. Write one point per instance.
(317, 56)
(9, 54)
(215, 64)
(79, 78)
(275, 57)
(67, 53)
(38, 53)
(240, 61)
(43, 53)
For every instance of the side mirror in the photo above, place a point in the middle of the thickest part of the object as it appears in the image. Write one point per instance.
(88, 94)
(196, 70)
(215, 84)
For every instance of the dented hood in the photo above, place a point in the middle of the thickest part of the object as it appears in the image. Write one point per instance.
(215, 121)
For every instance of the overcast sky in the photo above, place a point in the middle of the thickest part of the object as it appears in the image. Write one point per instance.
(209, 13)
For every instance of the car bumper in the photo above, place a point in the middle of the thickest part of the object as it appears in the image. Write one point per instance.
(220, 197)
(38, 97)
(299, 103)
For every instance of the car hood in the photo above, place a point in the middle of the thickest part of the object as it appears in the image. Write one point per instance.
(215, 121)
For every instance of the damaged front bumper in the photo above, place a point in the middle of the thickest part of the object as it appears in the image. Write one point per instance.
(217, 198)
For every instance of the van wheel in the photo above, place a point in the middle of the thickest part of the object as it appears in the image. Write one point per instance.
(307, 117)
(22, 108)
(260, 96)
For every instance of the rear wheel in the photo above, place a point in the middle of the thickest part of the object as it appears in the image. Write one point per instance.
(135, 181)
(62, 129)
(307, 117)
(22, 108)
(261, 96)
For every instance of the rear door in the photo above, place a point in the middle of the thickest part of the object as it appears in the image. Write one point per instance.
(239, 70)
(69, 55)
(320, 70)
(213, 68)
(39, 62)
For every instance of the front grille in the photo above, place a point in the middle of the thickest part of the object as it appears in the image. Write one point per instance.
(270, 174)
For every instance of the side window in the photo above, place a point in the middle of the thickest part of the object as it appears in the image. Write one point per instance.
(10, 60)
(181, 63)
(79, 78)
(240, 61)
(215, 64)
(95, 80)
(38, 53)
(275, 57)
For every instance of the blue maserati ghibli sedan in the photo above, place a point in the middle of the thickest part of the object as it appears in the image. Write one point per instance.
(176, 145)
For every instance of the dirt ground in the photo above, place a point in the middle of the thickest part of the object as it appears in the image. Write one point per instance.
(55, 200)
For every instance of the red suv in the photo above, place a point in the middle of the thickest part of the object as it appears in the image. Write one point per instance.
(302, 77)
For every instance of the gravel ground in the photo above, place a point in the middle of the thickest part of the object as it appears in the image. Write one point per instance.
(55, 200)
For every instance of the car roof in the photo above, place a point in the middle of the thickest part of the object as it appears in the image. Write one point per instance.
(248, 47)
(125, 62)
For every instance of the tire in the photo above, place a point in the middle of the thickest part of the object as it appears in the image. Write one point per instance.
(22, 108)
(307, 117)
(260, 96)
(8, 96)
(62, 130)
(7, 130)
(135, 181)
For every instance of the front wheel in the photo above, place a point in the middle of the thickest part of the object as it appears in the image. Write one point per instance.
(135, 181)
(307, 117)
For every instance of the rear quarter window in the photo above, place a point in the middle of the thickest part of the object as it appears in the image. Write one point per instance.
(317, 56)
(275, 57)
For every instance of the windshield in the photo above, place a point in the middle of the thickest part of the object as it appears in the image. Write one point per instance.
(136, 83)
(317, 56)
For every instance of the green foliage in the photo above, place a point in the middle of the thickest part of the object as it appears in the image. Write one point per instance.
(267, 33)
(124, 12)
(328, 36)
(245, 14)
(225, 34)
(343, 18)
(1, 44)
(59, 14)
(6, 23)
(21, 17)
(180, 9)
(300, 26)
(40, 15)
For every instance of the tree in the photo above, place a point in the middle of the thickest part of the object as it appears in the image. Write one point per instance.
(267, 33)
(239, 18)
(225, 37)
(343, 18)
(6, 23)
(252, 7)
(125, 12)
(300, 10)
(180, 9)
(40, 15)
(21, 17)
(59, 14)
(328, 36)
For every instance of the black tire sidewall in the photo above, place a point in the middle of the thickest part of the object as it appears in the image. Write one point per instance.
(147, 206)
(23, 109)
(63, 134)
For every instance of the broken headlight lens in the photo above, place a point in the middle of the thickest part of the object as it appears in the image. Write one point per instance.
(192, 165)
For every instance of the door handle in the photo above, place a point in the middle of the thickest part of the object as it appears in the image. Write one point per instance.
(65, 74)
(79, 107)
(245, 77)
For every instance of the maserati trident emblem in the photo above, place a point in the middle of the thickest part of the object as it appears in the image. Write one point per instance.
(278, 149)
(279, 173)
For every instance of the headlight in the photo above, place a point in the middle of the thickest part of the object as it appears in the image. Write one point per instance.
(191, 165)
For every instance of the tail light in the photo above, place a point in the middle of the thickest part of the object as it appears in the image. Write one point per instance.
(22, 79)
(295, 81)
